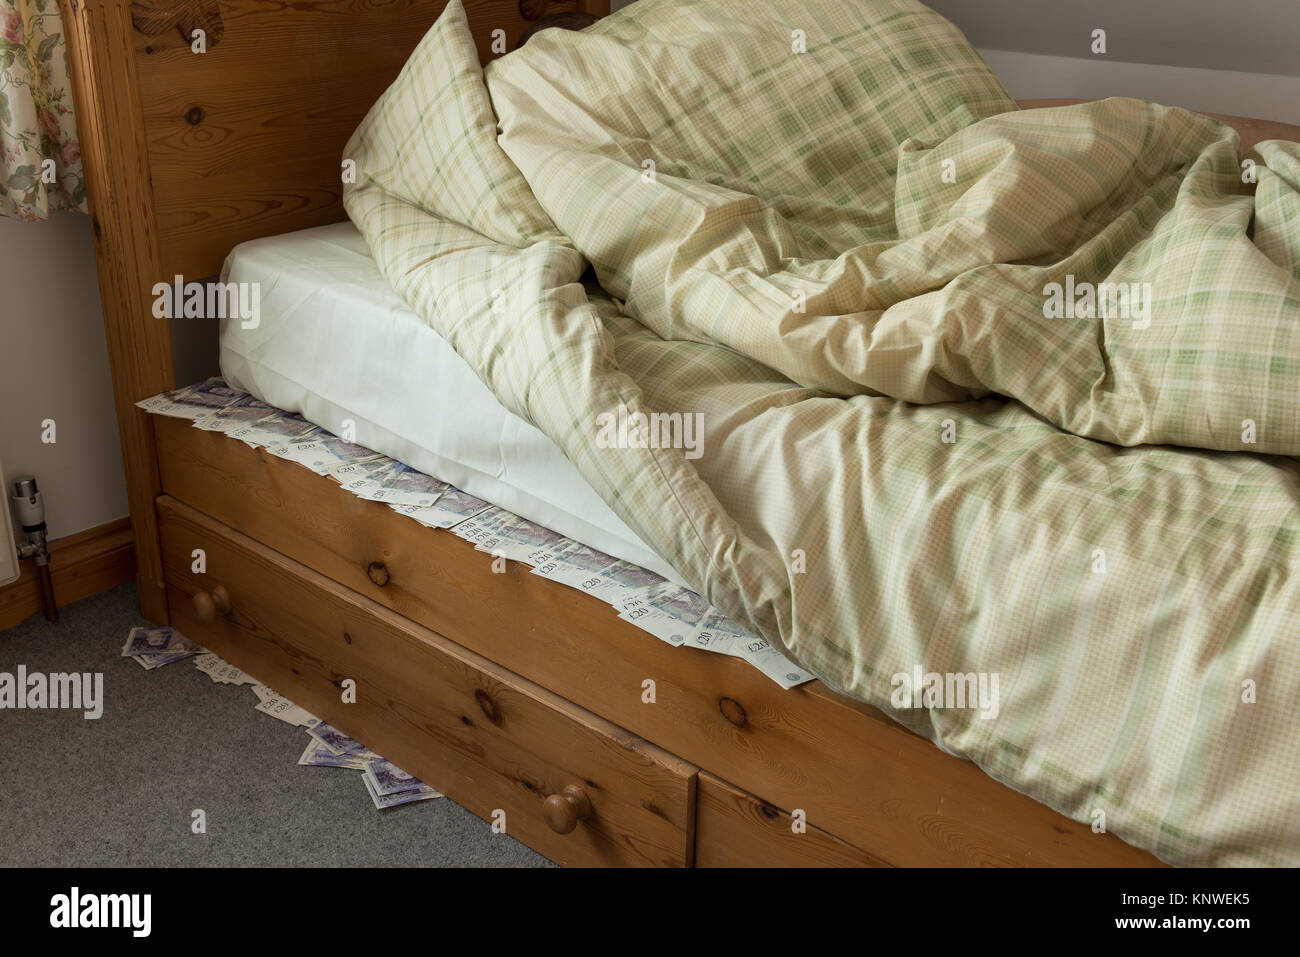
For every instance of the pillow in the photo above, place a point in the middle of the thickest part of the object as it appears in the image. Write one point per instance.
(431, 141)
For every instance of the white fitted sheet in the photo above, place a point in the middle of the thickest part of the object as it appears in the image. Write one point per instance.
(335, 341)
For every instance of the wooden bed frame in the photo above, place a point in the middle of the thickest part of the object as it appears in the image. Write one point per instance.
(520, 698)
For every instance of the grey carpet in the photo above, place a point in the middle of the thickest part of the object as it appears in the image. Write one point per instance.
(119, 791)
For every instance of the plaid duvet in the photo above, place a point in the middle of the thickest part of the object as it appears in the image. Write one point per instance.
(985, 393)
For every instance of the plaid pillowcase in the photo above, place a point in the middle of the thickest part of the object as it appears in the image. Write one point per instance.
(431, 142)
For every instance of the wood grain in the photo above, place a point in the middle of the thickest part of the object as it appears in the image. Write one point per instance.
(177, 21)
(487, 738)
(115, 155)
(733, 828)
(83, 564)
(246, 140)
(858, 774)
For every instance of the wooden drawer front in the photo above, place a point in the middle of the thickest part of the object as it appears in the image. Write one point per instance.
(857, 773)
(486, 737)
(733, 828)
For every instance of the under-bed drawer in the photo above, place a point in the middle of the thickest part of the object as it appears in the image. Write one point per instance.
(486, 737)
(858, 774)
(734, 828)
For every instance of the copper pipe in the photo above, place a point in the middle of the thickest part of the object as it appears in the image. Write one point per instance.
(47, 592)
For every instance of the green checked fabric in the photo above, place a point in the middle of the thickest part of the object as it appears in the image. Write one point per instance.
(983, 391)
(431, 140)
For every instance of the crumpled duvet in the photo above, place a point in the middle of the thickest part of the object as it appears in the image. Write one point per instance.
(983, 392)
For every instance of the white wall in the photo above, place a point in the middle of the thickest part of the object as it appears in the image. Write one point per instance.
(1033, 76)
(1154, 53)
(1251, 36)
(54, 365)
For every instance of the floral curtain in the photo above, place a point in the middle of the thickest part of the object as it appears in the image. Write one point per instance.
(40, 161)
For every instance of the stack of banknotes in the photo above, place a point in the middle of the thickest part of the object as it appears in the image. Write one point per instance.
(152, 648)
(655, 605)
(385, 783)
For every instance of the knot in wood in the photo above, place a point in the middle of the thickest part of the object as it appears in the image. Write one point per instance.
(532, 9)
(487, 706)
(378, 573)
(732, 711)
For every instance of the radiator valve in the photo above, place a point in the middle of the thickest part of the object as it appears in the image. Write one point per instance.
(29, 508)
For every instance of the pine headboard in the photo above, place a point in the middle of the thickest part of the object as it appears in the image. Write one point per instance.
(188, 153)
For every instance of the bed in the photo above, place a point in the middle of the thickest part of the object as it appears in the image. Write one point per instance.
(187, 157)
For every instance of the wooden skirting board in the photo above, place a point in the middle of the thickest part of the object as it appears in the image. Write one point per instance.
(83, 564)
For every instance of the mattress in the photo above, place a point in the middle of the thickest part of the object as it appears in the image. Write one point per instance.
(335, 342)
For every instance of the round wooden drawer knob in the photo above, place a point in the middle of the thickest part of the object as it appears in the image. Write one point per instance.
(207, 605)
(563, 811)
